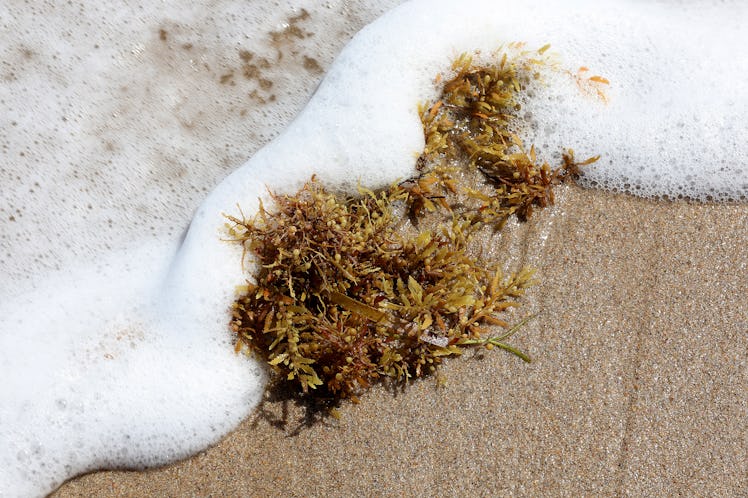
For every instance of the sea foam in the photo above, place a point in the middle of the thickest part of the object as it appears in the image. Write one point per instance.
(126, 361)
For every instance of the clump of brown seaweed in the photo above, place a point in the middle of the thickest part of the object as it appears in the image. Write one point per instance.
(346, 296)
(473, 124)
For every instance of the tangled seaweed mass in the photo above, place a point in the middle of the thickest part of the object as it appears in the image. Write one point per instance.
(351, 291)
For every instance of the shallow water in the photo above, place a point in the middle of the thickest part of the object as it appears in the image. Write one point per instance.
(118, 123)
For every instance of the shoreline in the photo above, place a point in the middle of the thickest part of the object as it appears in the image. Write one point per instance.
(640, 366)
(636, 386)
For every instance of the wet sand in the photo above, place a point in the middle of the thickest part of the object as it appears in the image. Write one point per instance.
(637, 386)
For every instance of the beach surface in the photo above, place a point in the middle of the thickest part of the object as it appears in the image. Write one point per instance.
(637, 386)
(640, 349)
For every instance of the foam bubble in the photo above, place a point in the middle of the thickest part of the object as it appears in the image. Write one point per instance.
(122, 358)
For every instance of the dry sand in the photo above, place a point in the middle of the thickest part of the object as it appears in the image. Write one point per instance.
(638, 386)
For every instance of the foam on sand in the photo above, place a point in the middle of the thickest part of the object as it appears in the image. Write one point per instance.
(127, 361)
